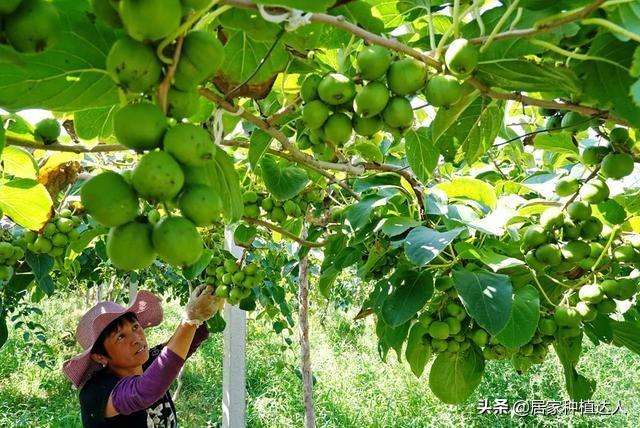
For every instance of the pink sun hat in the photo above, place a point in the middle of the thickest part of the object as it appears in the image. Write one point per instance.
(148, 310)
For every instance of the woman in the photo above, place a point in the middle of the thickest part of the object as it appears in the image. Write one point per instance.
(122, 382)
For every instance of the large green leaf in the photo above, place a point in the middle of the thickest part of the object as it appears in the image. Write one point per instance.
(412, 290)
(358, 214)
(453, 377)
(627, 334)
(397, 225)
(283, 180)
(359, 12)
(423, 244)
(470, 188)
(390, 337)
(258, 146)
(228, 185)
(525, 313)
(626, 15)
(67, 77)
(418, 350)
(422, 154)
(41, 265)
(607, 83)
(578, 386)
(494, 260)
(198, 267)
(446, 117)
(559, 142)
(486, 296)
(26, 201)
(528, 76)
(19, 163)
(477, 128)
(95, 122)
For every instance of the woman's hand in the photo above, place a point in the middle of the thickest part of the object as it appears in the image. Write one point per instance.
(202, 305)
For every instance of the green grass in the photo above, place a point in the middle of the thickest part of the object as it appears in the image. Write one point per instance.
(354, 387)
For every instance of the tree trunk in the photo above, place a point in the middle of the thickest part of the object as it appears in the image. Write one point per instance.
(305, 353)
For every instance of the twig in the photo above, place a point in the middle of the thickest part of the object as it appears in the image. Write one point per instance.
(57, 147)
(284, 111)
(575, 195)
(499, 25)
(284, 232)
(163, 88)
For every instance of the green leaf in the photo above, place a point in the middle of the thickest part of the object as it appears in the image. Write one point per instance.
(470, 188)
(258, 146)
(627, 334)
(525, 313)
(3, 138)
(19, 163)
(358, 214)
(198, 267)
(418, 350)
(4, 332)
(369, 151)
(477, 128)
(487, 256)
(216, 324)
(228, 184)
(412, 290)
(558, 142)
(486, 296)
(359, 12)
(423, 244)
(283, 179)
(95, 122)
(626, 15)
(26, 201)
(41, 265)
(422, 154)
(607, 83)
(446, 117)
(87, 236)
(390, 337)
(396, 225)
(306, 5)
(528, 76)
(578, 386)
(453, 377)
(67, 77)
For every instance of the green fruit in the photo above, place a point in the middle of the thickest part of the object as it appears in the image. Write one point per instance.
(480, 337)
(406, 76)
(222, 291)
(591, 228)
(570, 230)
(620, 137)
(236, 294)
(461, 57)
(547, 326)
(337, 129)
(129, 246)
(624, 253)
(612, 211)
(575, 122)
(290, 207)
(250, 197)
(438, 330)
(66, 213)
(105, 11)
(627, 288)
(6, 272)
(566, 332)
(8, 6)
(548, 254)
(267, 204)
(157, 177)
(200, 204)
(150, 19)
(227, 278)
(139, 126)
(303, 142)
(6, 250)
(593, 155)
(335, 89)
(454, 309)
(552, 218)
(443, 283)
(47, 131)
(182, 104)
(606, 307)
(309, 88)
(567, 186)
(42, 245)
(567, 317)
(177, 241)
(278, 215)
(454, 326)
(443, 90)
(553, 123)
(64, 225)
(202, 55)
(371, 99)
(594, 191)
(49, 230)
(373, 62)
(238, 277)
(579, 210)
(33, 26)
(315, 114)
(596, 249)
(398, 113)
(189, 144)
(547, 111)
(534, 236)
(133, 65)
(617, 165)
(574, 251)
(591, 293)
(230, 266)
(588, 313)
(366, 126)
(59, 240)
(109, 199)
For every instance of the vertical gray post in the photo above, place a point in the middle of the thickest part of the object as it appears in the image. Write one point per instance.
(234, 366)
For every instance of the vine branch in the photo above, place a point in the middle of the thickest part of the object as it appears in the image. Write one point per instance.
(284, 232)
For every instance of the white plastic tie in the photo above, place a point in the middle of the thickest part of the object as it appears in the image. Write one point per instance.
(217, 130)
(293, 18)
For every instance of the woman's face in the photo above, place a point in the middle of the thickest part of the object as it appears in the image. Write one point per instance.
(127, 347)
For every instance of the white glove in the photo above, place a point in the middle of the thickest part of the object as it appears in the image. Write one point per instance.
(202, 305)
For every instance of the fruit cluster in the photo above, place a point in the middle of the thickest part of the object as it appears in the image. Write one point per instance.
(54, 238)
(280, 211)
(47, 131)
(11, 252)
(132, 61)
(230, 280)
(29, 25)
